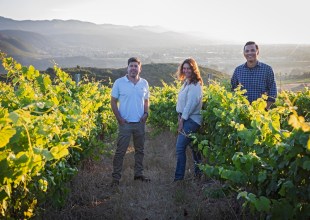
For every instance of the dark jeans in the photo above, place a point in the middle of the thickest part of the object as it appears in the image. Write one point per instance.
(189, 126)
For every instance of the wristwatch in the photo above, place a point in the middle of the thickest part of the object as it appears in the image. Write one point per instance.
(146, 113)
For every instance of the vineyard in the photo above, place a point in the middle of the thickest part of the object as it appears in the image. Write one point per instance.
(47, 127)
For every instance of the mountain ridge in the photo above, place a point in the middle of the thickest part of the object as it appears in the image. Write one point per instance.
(65, 40)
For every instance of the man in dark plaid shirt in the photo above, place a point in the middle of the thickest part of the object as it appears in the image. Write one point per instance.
(254, 76)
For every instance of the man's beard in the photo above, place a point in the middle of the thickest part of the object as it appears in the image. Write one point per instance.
(133, 74)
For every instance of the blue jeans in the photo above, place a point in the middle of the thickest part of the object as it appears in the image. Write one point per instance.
(189, 126)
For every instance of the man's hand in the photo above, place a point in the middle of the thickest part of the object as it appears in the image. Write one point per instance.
(268, 105)
(144, 117)
(121, 121)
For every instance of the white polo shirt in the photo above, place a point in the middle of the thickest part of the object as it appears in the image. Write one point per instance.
(130, 97)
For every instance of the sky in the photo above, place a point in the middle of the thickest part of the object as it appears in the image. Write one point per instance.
(239, 21)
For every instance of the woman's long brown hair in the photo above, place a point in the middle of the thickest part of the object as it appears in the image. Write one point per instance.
(195, 71)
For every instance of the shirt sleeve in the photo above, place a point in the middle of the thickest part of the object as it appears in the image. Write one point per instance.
(115, 90)
(272, 87)
(234, 80)
(147, 94)
(192, 100)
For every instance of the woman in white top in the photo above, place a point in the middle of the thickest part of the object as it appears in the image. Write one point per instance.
(189, 117)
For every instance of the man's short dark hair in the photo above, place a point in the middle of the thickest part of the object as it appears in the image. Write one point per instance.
(250, 43)
(134, 59)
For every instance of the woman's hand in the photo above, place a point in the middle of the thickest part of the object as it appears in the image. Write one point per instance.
(180, 124)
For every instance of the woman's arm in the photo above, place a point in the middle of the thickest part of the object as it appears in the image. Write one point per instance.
(193, 99)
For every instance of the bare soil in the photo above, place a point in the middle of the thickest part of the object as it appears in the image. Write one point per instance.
(92, 197)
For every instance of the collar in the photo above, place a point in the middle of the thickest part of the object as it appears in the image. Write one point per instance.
(257, 64)
(127, 79)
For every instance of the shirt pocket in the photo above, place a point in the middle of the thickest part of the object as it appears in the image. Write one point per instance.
(141, 91)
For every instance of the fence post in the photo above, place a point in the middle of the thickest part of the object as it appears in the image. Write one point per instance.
(209, 78)
(77, 76)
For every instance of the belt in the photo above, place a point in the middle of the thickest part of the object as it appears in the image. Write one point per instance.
(133, 122)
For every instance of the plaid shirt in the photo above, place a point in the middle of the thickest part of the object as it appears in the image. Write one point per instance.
(257, 81)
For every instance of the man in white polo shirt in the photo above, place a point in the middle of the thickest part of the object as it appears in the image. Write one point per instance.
(130, 105)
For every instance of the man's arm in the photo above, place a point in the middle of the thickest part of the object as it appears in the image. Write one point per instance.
(234, 81)
(116, 112)
(146, 110)
(272, 89)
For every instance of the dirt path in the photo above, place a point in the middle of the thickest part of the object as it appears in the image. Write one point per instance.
(93, 198)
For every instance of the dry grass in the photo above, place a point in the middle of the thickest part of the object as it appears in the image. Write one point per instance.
(93, 198)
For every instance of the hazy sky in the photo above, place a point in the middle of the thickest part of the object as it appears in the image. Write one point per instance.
(264, 21)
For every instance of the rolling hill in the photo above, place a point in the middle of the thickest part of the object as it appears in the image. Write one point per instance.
(69, 42)
(154, 73)
(25, 43)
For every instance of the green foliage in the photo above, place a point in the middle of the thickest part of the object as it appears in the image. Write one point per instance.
(162, 108)
(46, 128)
(48, 125)
(301, 100)
(264, 156)
(265, 153)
